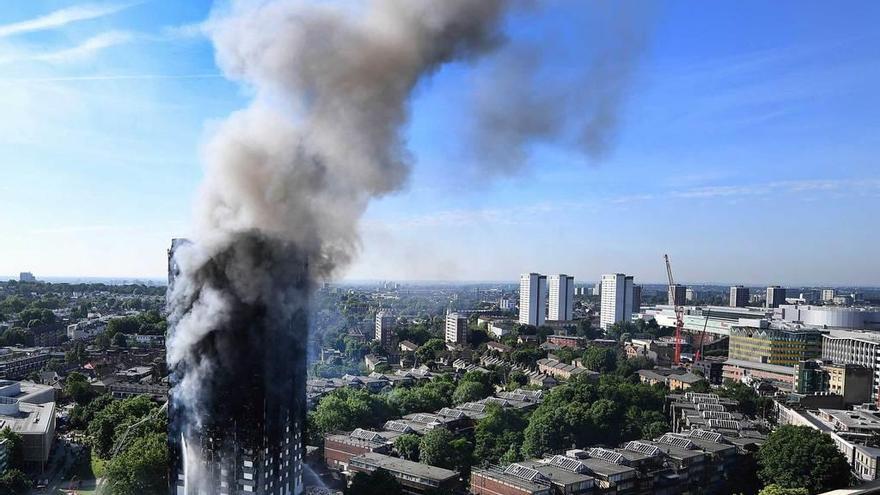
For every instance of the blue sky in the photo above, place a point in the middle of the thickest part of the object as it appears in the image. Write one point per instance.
(746, 148)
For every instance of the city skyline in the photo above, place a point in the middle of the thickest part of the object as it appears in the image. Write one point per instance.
(740, 147)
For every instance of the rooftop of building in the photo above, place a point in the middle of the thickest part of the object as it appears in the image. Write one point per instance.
(31, 419)
(403, 466)
(772, 368)
(519, 478)
(23, 391)
(856, 419)
(556, 474)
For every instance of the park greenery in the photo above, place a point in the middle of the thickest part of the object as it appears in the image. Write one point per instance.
(799, 457)
(14, 481)
(128, 438)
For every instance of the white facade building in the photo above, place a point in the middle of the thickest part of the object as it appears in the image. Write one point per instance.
(456, 328)
(862, 348)
(617, 299)
(532, 298)
(739, 296)
(775, 296)
(384, 327)
(827, 295)
(561, 297)
(830, 316)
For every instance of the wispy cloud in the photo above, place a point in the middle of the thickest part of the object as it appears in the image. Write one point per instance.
(110, 77)
(516, 215)
(81, 51)
(63, 17)
(77, 229)
(866, 186)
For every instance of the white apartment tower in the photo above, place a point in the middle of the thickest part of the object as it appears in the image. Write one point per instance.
(561, 297)
(384, 327)
(827, 295)
(739, 296)
(532, 298)
(617, 299)
(456, 328)
(775, 296)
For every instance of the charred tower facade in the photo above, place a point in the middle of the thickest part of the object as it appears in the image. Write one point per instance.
(245, 433)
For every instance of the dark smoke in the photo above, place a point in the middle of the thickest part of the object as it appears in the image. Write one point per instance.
(522, 99)
(288, 177)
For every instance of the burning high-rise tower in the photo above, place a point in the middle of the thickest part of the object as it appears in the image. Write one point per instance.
(249, 438)
(286, 181)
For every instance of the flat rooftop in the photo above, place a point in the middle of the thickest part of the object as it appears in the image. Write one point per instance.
(32, 419)
(397, 465)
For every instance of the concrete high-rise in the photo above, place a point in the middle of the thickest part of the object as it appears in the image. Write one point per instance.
(739, 296)
(827, 295)
(637, 298)
(775, 296)
(690, 295)
(250, 438)
(561, 302)
(617, 299)
(456, 328)
(384, 328)
(677, 295)
(532, 298)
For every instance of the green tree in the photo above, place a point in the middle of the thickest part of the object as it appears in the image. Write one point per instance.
(77, 354)
(407, 446)
(81, 416)
(469, 392)
(775, 489)
(629, 367)
(438, 448)
(527, 356)
(346, 409)
(429, 397)
(497, 433)
(428, 351)
(584, 413)
(801, 457)
(141, 468)
(601, 359)
(516, 379)
(379, 482)
(15, 482)
(120, 340)
(16, 447)
(77, 387)
(116, 418)
(103, 341)
(750, 403)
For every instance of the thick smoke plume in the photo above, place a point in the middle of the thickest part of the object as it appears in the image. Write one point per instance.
(525, 96)
(286, 181)
(288, 177)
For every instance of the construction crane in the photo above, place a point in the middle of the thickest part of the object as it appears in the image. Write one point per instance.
(703, 336)
(679, 313)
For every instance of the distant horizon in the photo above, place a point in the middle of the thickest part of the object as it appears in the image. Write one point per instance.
(162, 280)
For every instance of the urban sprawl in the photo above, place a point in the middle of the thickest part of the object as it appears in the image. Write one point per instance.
(548, 386)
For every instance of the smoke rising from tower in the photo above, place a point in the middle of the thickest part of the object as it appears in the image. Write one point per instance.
(286, 180)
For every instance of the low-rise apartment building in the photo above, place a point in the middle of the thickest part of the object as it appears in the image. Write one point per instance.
(414, 478)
